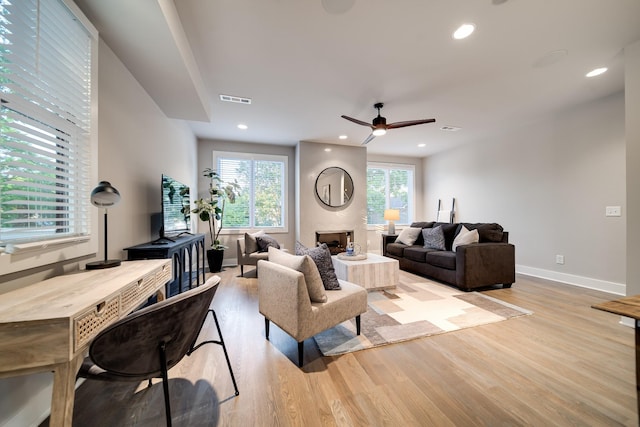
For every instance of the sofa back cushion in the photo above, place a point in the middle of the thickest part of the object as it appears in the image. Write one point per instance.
(450, 231)
(488, 232)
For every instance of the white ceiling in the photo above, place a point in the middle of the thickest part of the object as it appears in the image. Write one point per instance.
(304, 63)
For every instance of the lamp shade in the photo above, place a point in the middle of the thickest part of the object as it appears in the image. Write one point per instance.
(391, 214)
(104, 195)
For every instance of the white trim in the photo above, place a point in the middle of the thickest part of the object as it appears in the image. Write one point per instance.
(571, 279)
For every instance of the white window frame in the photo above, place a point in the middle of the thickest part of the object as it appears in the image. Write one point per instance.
(24, 256)
(226, 230)
(411, 209)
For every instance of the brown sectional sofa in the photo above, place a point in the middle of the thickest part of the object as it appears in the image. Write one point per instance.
(489, 262)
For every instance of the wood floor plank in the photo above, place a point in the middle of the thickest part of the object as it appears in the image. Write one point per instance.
(565, 365)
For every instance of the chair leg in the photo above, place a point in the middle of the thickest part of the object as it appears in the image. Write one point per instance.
(165, 383)
(300, 353)
(242, 270)
(266, 327)
(358, 324)
(226, 355)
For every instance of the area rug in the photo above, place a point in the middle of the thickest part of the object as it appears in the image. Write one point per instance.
(412, 311)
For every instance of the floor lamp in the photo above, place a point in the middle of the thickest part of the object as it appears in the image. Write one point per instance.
(392, 215)
(104, 196)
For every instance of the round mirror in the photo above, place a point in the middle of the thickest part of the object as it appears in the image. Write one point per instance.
(334, 187)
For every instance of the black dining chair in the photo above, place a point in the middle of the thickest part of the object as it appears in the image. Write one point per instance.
(150, 341)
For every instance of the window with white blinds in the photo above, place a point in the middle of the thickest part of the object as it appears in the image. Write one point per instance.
(390, 186)
(262, 202)
(46, 66)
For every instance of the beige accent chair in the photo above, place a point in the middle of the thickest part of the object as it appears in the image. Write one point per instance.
(248, 259)
(283, 299)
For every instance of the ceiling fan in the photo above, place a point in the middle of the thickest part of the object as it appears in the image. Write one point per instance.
(380, 126)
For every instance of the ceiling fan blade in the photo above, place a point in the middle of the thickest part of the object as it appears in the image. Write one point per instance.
(409, 123)
(360, 122)
(368, 140)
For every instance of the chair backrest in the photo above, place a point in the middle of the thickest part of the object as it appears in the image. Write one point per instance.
(129, 347)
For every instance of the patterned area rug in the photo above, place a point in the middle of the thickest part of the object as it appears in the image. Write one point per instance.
(413, 311)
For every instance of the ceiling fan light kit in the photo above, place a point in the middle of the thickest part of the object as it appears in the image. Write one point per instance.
(379, 125)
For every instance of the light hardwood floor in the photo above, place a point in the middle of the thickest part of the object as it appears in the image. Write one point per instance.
(565, 365)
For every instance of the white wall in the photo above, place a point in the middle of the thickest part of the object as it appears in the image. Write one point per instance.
(312, 214)
(632, 109)
(548, 184)
(137, 143)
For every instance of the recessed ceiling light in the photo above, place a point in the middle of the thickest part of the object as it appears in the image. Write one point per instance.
(450, 128)
(343, 137)
(464, 31)
(596, 72)
(328, 150)
(422, 145)
(243, 126)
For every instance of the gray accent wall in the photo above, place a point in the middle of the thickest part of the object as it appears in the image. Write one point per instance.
(632, 110)
(312, 215)
(548, 184)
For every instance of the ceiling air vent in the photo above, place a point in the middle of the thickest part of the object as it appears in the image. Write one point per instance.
(449, 128)
(236, 99)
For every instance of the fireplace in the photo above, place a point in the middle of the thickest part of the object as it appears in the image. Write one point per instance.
(336, 240)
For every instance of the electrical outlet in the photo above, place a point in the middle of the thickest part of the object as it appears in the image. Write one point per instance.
(559, 259)
(613, 211)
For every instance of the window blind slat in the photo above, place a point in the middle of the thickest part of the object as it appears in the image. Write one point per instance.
(45, 122)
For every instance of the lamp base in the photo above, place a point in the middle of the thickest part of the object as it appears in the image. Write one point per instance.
(392, 228)
(99, 265)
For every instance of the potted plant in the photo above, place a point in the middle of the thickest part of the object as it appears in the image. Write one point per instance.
(211, 211)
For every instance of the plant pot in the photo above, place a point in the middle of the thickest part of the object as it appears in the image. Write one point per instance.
(214, 258)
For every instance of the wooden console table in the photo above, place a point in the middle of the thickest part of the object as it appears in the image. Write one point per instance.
(628, 307)
(181, 251)
(49, 325)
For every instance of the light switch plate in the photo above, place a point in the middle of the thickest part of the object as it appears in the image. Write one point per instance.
(613, 211)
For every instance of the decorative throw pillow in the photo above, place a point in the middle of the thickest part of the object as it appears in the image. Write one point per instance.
(250, 242)
(465, 237)
(322, 257)
(265, 242)
(433, 238)
(305, 265)
(409, 235)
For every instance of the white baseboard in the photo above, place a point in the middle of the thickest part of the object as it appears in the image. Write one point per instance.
(572, 279)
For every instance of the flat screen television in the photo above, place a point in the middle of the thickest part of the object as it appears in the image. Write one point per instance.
(175, 196)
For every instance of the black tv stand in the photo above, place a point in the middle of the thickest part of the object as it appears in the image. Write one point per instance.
(184, 250)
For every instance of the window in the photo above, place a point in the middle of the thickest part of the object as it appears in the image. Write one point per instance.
(46, 121)
(263, 189)
(389, 186)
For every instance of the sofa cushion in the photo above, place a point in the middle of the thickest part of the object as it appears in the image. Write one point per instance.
(409, 235)
(250, 242)
(443, 259)
(396, 249)
(420, 241)
(449, 231)
(417, 253)
(305, 265)
(265, 242)
(433, 238)
(465, 237)
(488, 232)
(322, 257)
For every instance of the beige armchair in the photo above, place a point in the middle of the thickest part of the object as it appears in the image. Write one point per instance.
(248, 258)
(283, 299)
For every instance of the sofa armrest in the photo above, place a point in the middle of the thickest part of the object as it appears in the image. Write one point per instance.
(485, 264)
(283, 297)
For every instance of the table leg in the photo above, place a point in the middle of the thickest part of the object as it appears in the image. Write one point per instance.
(64, 388)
